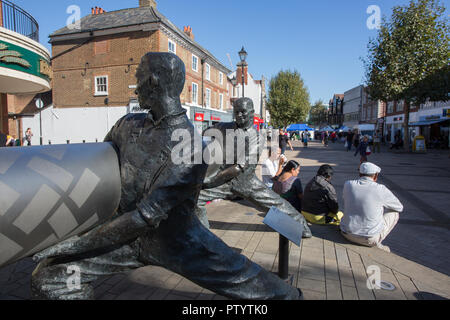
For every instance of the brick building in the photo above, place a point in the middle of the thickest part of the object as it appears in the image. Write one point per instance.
(373, 112)
(94, 71)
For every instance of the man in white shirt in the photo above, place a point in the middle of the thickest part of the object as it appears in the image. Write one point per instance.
(272, 167)
(365, 201)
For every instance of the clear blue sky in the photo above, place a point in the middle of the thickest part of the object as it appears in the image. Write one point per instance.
(322, 39)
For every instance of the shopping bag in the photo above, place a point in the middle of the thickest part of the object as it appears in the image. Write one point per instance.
(346, 144)
(368, 151)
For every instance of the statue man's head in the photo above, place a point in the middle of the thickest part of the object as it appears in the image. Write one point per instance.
(244, 113)
(160, 81)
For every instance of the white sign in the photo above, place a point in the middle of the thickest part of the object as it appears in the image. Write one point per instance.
(284, 225)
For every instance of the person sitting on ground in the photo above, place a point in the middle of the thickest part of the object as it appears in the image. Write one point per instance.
(272, 167)
(320, 204)
(10, 141)
(365, 200)
(289, 186)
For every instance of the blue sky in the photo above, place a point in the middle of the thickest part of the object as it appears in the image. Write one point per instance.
(322, 39)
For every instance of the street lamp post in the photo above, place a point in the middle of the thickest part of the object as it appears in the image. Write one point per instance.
(243, 56)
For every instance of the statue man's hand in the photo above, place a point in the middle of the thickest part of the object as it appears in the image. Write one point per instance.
(64, 248)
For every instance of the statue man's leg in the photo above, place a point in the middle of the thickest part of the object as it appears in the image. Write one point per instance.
(182, 244)
(254, 190)
(71, 279)
(221, 192)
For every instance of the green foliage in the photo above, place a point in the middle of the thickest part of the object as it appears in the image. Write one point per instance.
(409, 59)
(288, 101)
(410, 53)
(316, 111)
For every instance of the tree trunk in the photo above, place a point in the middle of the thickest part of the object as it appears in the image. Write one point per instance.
(406, 126)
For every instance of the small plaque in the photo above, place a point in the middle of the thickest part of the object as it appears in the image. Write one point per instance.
(284, 225)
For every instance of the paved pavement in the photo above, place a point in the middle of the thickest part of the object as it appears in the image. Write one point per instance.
(326, 266)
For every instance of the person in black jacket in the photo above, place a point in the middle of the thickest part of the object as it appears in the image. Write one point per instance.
(320, 204)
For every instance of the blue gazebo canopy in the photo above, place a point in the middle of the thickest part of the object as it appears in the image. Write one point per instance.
(299, 127)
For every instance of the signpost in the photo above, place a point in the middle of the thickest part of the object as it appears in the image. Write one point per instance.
(289, 229)
(40, 105)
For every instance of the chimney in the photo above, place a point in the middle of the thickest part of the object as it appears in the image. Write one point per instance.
(188, 31)
(147, 3)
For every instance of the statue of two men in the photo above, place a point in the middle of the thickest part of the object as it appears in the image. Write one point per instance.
(156, 222)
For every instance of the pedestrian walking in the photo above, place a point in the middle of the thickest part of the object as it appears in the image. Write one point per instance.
(365, 221)
(377, 141)
(284, 141)
(326, 138)
(349, 140)
(363, 149)
(28, 136)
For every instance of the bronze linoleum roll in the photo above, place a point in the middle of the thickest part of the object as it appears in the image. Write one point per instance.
(51, 193)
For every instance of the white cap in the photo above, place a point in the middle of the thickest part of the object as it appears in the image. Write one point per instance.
(369, 168)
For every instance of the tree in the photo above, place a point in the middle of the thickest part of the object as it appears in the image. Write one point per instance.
(288, 101)
(409, 55)
(317, 112)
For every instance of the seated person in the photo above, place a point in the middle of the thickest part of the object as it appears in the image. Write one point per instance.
(272, 167)
(320, 204)
(365, 200)
(289, 186)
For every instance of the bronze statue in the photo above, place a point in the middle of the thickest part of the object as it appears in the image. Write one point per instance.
(239, 178)
(156, 222)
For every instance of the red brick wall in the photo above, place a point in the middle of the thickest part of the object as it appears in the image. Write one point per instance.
(74, 84)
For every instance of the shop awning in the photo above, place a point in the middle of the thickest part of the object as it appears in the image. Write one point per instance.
(427, 122)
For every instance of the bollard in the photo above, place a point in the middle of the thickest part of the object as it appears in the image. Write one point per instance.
(283, 258)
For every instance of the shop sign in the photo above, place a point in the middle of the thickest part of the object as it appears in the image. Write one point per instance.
(199, 117)
(215, 118)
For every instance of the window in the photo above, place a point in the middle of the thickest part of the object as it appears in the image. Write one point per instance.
(221, 101)
(195, 93)
(208, 72)
(208, 98)
(101, 86)
(220, 77)
(172, 47)
(400, 105)
(195, 63)
(390, 107)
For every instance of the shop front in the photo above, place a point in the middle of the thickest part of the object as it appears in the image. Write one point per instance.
(435, 129)
(203, 118)
(394, 125)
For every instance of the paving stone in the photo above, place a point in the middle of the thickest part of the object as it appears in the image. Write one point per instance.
(313, 295)
(349, 293)
(333, 289)
(409, 289)
(312, 273)
(314, 285)
(136, 292)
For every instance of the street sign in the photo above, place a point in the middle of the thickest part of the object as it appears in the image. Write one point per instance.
(284, 225)
(39, 103)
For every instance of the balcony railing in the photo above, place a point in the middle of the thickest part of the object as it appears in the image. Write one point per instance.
(16, 19)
